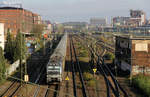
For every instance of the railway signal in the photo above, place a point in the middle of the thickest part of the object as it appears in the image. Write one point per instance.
(67, 78)
(45, 36)
(26, 78)
(94, 70)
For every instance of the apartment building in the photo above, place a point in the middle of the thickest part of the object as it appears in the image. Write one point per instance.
(18, 19)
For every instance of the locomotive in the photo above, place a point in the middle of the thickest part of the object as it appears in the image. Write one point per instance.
(55, 66)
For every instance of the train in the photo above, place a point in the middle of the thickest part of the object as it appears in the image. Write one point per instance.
(55, 65)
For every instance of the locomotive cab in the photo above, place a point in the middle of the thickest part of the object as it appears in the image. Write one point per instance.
(54, 70)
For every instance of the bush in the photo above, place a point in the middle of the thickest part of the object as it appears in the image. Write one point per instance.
(142, 83)
(109, 56)
(87, 76)
(83, 53)
(91, 83)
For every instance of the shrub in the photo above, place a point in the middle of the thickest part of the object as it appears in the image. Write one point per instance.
(87, 76)
(91, 83)
(142, 83)
(109, 56)
(83, 53)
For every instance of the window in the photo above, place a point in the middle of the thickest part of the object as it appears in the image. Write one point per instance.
(141, 47)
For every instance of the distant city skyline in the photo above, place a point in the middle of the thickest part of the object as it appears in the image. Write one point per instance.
(83, 10)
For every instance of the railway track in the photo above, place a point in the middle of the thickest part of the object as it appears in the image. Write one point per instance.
(73, 69)
(118, 87)
(15, 88)
(53, 90)
(78, 68)
(38, 81)
(106, 71)
(12, 89)
(41, 90)
(107, 82)
(111, 85)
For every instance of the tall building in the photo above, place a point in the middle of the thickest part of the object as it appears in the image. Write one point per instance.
(98, 21)
(138, 16)
(17, 18)
(2, 43)
(37, 19)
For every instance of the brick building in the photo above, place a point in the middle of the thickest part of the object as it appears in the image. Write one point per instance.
(37, 19)
(17, 18)
(133, 54)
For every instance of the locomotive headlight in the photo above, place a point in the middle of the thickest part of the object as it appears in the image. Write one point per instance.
(50, 67)
(57, 67)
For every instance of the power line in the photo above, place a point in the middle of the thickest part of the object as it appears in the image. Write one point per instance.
(67, 94)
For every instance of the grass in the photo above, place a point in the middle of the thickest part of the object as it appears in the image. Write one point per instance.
(89, 78)
(84, 64)
(142, 83)
(2, 81)
(91, 83)
(84, 59)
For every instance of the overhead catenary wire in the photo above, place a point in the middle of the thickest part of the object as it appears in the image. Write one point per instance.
(38, 85)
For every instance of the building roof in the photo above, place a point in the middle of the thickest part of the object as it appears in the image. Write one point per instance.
(18, 8)
(8, 8)
(134, 37)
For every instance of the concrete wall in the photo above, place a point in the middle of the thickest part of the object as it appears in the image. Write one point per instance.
(2, 35)
(12, 68)
(139, 69)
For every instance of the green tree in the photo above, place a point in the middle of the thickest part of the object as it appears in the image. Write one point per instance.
(2, 65)
(37, 30)
(20, 47)
(9, 47)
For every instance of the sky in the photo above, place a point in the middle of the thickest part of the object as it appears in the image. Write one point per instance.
(83, 10)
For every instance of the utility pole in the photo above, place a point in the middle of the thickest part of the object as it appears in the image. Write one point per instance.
(20, 54)
(26, 77)
(21, 48)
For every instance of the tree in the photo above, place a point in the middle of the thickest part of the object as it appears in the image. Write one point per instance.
(60, 28)
(2, 65)
(20, 47)
(9, 47)
(37, 30)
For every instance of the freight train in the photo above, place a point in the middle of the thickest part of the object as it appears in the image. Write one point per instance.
(55, 66)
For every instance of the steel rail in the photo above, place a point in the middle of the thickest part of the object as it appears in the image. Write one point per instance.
(80, 73)
(73, 71)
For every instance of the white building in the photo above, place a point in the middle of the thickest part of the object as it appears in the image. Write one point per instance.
(2, 35)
